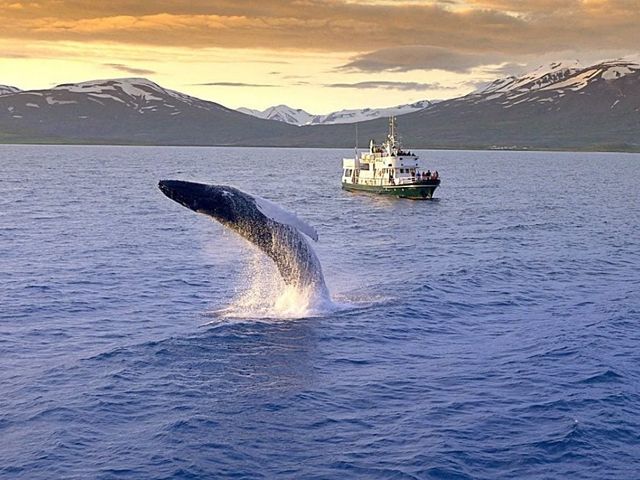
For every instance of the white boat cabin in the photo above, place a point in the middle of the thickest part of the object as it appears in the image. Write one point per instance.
(382, 165)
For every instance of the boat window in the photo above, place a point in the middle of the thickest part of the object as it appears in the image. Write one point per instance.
(364, 166)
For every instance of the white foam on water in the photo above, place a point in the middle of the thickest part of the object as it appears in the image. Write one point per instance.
(259, 303)
(261, 293)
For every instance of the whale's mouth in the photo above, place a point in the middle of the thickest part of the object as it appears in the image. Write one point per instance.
(177, 191)
(169, 187)
(165, 188)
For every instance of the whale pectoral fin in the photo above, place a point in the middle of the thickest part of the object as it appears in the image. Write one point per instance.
(280, 215)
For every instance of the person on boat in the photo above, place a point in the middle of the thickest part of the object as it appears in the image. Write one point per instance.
(435, 175)
(428, 174)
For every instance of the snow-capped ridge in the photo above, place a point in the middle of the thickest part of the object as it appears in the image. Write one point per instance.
(364, 114)
(137, 94)
(130, 89)
(539, 78)
(293, 116)
(142, 93)
(554, 79)
(134, 87)
(281, 113)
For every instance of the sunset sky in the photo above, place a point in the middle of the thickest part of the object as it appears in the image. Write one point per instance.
(320, 55)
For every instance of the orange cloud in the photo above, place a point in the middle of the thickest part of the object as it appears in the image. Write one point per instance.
(482, 28)
(127, 23)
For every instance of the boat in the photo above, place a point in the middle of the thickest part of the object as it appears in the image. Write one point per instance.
(388, 169)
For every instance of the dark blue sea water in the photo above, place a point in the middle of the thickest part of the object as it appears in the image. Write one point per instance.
(492, 334)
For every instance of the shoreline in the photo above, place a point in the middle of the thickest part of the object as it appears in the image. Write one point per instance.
(472, 148)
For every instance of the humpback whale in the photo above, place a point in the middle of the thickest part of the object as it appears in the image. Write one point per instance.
(278, 233)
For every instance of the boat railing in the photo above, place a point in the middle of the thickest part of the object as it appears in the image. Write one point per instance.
(378, 182)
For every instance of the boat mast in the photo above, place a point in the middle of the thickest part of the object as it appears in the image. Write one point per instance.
(392, 129)
(391, 137)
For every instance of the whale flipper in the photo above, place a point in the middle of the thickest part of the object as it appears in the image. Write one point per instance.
(278, 214)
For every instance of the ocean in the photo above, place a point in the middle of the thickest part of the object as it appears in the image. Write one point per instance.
(492, 333)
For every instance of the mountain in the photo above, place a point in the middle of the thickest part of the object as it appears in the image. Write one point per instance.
(564, 106)
(299, 117)
(5, 89)
(561, 106)
(281, 113)
(126, 110)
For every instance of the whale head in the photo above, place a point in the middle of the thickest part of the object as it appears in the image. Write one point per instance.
(220, 202)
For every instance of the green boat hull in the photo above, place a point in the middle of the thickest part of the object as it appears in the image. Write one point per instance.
(416, 191)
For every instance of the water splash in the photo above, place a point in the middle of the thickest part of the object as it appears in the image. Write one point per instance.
(261, 293)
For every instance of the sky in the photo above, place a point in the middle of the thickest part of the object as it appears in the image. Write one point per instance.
(319, 55)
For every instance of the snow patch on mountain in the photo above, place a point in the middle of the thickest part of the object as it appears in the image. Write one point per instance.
(575, 82)
(53, 101)
(8, 89)
(617, 69)
(617, 72)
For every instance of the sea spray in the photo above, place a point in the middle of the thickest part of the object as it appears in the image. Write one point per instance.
(262, 293)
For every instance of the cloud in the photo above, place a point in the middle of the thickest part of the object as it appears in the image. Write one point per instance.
(415, 86)
(232, 84)
(418, 57)
(511, 69)
(13, 55)
(470, 29)
(132, 70)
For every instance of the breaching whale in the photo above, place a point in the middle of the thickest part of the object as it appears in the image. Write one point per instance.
(273, 230)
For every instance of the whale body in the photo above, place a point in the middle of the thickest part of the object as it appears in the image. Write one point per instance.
(278, 233)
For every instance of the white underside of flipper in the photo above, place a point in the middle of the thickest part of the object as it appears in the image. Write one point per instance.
(280, 215)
